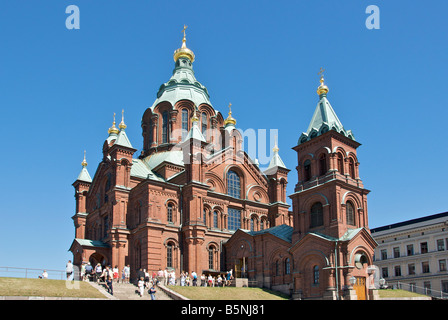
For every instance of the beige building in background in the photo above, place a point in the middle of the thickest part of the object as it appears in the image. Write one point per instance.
(414, 253)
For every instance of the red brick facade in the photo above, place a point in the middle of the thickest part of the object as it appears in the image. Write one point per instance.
(190, 198)
(183, 197)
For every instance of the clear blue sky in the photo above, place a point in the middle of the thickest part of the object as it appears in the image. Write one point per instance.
(59, 89)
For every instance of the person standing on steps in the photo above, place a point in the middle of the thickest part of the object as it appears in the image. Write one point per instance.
(152, 292)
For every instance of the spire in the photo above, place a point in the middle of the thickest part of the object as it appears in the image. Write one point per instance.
(324, 117)
(322, 90)
(113, 129)
(276, 161)
(184, 51)
(122, 125)
(230, 121)
(195, 132)
(84, 174)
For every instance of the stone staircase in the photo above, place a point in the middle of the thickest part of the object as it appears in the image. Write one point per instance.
(129, 291)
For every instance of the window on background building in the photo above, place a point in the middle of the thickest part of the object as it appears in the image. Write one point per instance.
(234, 219)
(350, 213)
(440, 245)
(425, 267)
(410, 249)
(411, 269)
(165, 127)
(427, 286)
(384, 254)
(396, 252)
(385, 272)
(184, 123)
(442, 265)
(424, 247)
(233, 184)
(317, 215)
(397, 270)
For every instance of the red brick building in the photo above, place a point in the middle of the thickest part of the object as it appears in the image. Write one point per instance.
(175, 204)
(194, 200)
(326, 252)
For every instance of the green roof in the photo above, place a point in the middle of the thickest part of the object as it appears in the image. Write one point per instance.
(323, 120)
(91, 243)
(282, 231)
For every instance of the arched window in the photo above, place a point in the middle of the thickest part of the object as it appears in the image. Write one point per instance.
(184, 123)
(212, 257)
(170, 212)
(261, 224)
(215, 219)
(277, 268)
(287, 266)
(316, 275)
(165, 127)
(317, 215)
(204, 124)
(204, 213)
(169, 255)
(351, 168)
(350, 213)
(307, 170)
(340, 164)
(252, 224)
(233, 184)
(322, 164)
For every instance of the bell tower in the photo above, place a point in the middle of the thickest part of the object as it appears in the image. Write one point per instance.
(329, 198)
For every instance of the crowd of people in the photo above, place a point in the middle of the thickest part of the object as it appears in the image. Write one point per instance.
(146, 280)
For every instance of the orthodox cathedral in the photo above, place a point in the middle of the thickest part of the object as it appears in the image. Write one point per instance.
(194, 200)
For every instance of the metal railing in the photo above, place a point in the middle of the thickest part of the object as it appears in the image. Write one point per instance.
(31, 273)
(420, 290)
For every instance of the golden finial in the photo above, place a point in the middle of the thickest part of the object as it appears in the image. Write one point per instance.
(275, 149)
(229, 119)
(184, 51)
(122, 125)
(322, 89)
(194, 118)
(84, 162)
(113, 129)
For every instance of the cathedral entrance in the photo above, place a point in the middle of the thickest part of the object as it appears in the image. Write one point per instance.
(241, 268)
(360, 288)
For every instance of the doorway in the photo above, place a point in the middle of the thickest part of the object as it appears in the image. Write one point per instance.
(360, 288)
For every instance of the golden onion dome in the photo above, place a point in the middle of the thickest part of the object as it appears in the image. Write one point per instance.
(230, 119)
(184, 51)
(122, 125)
(113, 129)
(322, 89)
(84, 162)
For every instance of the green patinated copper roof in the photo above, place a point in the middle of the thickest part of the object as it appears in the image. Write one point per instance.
(182, 85)
(84, 175)
(324, 119)
(282, 231)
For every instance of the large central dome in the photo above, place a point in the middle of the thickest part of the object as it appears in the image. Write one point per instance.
(183, 84)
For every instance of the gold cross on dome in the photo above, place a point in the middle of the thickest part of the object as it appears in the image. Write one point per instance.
(321, 72)
(183, 30)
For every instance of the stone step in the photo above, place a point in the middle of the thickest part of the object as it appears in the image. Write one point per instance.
(129, 291)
